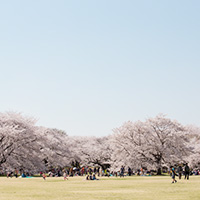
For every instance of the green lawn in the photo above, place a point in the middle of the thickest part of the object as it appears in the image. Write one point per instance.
(129, 188)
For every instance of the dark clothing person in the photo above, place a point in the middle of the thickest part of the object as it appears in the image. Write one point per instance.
(129, 171)
(122, 171)
(180, 171)
(187, 171)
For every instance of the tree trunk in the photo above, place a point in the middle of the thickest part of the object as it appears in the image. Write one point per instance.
(159, 166)
(159, 172)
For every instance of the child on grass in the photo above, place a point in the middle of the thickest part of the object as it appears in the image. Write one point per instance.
(65, 176)
(44, 176)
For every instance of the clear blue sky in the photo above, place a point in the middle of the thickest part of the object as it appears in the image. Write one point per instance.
(87, 66)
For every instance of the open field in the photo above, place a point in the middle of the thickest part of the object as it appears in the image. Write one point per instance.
(128, 188)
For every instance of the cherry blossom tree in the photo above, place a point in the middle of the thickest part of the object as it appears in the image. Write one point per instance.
(93, 150)
(26, 146)
(194, 145)
(156, 142)
(54, 147)
(16, 138)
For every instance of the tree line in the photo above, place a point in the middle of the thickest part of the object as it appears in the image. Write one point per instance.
(155, 143)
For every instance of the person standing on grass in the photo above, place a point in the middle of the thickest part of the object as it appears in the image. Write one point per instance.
(122, 171)
(65, 176)
(82, 171)
(100, 171)
(129, 171)
(15, 172)
(141, 171)
(180, 171)
(187, 171)
(173, 175)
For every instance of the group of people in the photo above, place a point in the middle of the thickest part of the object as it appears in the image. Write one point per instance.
(139, 172)
(179, 172)
(91, 172)
(17, 174)
(76, 171)
(91, 177)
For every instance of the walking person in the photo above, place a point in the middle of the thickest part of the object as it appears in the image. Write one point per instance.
(173, 175)
(180, 171)
(65, 176)
(44, 176)
(187, 171)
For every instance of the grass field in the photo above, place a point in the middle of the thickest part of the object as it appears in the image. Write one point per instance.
(128, 188)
